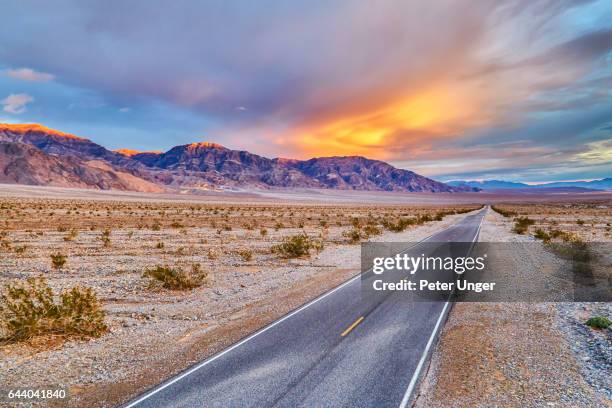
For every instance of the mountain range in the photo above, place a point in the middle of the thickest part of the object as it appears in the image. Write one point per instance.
(603, 184)
(36, 155)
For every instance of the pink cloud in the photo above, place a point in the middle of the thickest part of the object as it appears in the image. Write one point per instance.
(28, 74)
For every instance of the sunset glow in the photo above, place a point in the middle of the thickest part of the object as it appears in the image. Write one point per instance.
(451, 89)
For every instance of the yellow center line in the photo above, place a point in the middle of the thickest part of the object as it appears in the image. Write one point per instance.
(351, 327)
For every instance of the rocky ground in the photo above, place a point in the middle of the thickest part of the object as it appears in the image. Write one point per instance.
(521, 354)
(156, 332)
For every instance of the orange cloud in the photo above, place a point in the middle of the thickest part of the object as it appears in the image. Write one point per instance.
(439, 111)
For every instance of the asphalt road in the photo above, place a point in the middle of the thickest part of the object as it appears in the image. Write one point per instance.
(340, 350)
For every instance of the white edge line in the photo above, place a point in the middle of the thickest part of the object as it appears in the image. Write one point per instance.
(257, 333)
(415, 376)
(419, 367)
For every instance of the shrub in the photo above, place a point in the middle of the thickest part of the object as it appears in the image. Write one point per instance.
(58, 260)
(71, 236)
(296, 246)
(541, 234)
(28, 309)
(580, 222)
(212, 254)
(521, 224)
(160, 245)
(372, 230)
(176, 278)
(245, 254)
(263, 232)
(106, 238)
(599, 322)
(422, 219)
(504, 213)
(399, 226)
(353, 235)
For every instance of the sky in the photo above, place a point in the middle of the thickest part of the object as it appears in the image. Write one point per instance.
(517, 90)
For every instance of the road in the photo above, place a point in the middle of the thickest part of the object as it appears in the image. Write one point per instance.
(340, 350)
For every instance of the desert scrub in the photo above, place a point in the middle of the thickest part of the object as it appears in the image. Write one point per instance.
(521, 224)
(504, 213)
(106, 241)
(296, 246)
(71, 236)
(543, 235)
(599, 322)
(58, 261)
(400, 225)
(354, 235)
(245, 254)
(372, 230)
(176, 278)
(29, 309)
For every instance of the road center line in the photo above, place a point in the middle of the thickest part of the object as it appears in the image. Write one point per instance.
(352, 326)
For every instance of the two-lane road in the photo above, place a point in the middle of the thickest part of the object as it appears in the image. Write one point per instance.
(340, 350)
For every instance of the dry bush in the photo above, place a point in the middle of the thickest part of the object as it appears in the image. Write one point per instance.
(106, 241)
(71, 236)
(245, 254)
(372, 230)
(28, 309)
(400, 225)
(58, 260)
(176, 278)
(213, 254)
(296, 246)
(354, 235)
(521, 224)
(503, 212)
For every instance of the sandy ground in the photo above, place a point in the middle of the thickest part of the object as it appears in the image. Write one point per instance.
(302, 196)
(510, 354)
(155, 333)
(521, 354)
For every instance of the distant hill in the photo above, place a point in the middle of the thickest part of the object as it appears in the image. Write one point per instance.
(603, 184)
(74, 161)
(488, 184)
(25, 164)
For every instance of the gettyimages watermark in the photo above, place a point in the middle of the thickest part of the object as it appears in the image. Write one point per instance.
(487, 272)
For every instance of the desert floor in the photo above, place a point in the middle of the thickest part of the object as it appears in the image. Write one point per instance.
(110, 238)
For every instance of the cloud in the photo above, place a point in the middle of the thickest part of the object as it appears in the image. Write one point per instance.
(399, 80)
(16, 103)
(596, 153)
(28, 74)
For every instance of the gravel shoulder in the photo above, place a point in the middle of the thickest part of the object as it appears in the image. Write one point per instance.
(519, 354)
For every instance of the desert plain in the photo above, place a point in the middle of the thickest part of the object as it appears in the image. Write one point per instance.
(228, 247)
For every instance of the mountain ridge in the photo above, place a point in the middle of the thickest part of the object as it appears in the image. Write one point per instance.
(601, 184)
(207, 165)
